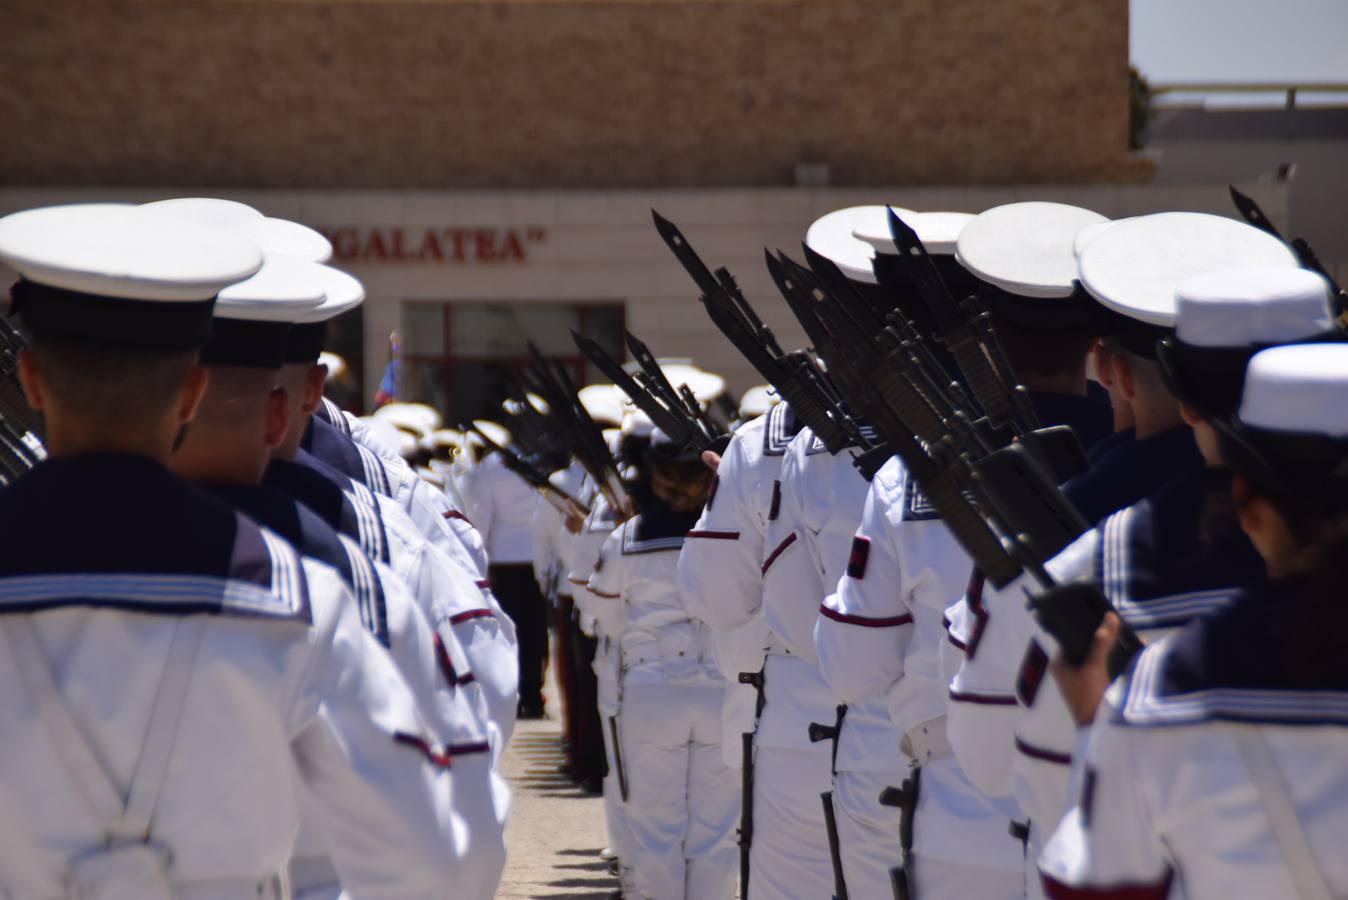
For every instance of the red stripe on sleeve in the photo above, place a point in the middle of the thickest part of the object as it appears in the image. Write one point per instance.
(1059, 891)
(433, 756)
(457, 618)
(1052, 756)
(865, 621)
(983, 699)
(781, 548)
(715, 535)
(455, 514)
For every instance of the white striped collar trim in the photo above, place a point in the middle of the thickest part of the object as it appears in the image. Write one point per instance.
(286, 599)
(632, 546)
(1144, 706)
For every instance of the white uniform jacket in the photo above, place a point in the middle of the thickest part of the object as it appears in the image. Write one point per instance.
(447, 594)
(501, 505)
(808, 541)
(387, 474)
(436, 670)
(1160, 568)
(553, 543)
(881, 633)
(660, 642)
(281, 688)
(1167, 791)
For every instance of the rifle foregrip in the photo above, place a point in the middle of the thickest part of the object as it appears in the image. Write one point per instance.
(908, 403)
(993, 396)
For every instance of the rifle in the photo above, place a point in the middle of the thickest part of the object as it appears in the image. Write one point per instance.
(675, 421)
(1250, 212)
(579, 432)
(746, 835)
(1002, 505)
(521, 467)
(794, 376)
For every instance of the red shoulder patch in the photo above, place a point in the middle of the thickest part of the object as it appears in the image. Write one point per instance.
(861, 554)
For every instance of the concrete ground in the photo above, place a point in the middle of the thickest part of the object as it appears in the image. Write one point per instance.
(555, 830)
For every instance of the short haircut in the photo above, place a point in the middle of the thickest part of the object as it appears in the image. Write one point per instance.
(236, 395)
(1043, 353)
(109, 385)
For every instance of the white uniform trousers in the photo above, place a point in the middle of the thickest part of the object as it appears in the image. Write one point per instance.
(684, 801)
(789, 859)
(942, 879)
(868, 831)
(615, 810)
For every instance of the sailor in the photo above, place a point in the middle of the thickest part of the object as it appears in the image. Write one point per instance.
(721, 579)
(893, 577)
(181, 677)
(333, 436)
(447, 592)
(1213, 765)
(501, 505)
(241, 417)
(556, 523)
(1133, 269)
(684, 802)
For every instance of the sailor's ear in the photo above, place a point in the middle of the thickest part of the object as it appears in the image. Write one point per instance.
(277, 417)
(314, 380)
(192, 392)
(30, 377)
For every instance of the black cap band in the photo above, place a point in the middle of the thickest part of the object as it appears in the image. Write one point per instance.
(95, 319)
(1073, 314)
(305, 342)
(239, 342)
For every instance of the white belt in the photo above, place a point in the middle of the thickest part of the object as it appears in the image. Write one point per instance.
(230, 889)
(927, 741)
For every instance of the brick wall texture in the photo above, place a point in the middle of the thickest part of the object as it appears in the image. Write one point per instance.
(563, 93)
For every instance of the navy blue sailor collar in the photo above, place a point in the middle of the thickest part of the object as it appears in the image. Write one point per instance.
(1177, 554)
(330, 444)
(314, 538)
(159, 545)
(1132, 470)
(1090, 415)
(1232, 666)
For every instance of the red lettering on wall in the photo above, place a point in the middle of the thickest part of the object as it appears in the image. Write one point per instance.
(419, 244)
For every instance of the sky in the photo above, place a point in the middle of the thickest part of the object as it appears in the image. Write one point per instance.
(1241, 40)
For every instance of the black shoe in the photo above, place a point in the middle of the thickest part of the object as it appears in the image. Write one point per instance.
(531, 711)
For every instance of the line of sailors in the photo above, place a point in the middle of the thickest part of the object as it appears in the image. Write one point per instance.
(247, 652)
(912, 717)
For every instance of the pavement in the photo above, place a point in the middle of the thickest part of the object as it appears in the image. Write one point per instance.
(555, 830)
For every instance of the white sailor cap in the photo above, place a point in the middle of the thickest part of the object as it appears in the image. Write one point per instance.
(431, 476)
(1225, 317)
(835, 237)
(282, 236)
(342, 293)
(383, 433)
(613, 438)
(604, 403)
(498, 434)
(253, 318)
(109, 273)
(1298, 389)
(1134, 267)
(706, 386)
(211, 210)
(1090, 233)
(537, 402)
(272, 236)
(757, 401)
(335, 364)
(1290, 437)
(938, 231)
(442, 441)
(1026, 248)
(416, 418)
